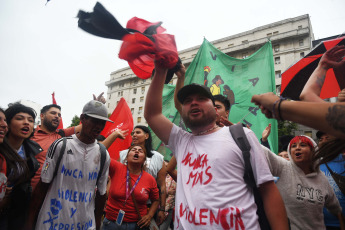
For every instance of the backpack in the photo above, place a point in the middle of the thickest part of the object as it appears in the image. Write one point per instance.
(241, 140)
(62, 151)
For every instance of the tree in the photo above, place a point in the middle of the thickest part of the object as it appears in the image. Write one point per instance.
(75, 121)
(286, 128)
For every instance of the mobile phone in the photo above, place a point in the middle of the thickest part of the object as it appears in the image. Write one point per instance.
(120, 217)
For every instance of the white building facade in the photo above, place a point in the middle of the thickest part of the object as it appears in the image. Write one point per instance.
(291, 40)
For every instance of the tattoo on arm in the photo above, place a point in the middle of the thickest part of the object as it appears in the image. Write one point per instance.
(335, 117)
(320, 81)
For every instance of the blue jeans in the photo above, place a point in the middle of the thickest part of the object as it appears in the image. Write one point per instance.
(111, 225)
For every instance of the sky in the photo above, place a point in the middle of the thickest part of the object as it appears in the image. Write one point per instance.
(42, 50)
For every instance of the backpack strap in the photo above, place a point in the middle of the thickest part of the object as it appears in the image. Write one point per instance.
(242, 142)
(103, 150)
(62, 151)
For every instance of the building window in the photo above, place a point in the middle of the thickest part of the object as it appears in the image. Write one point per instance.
(109, 96)
(308, 133)
(245, 55)
(134, 91)
(141, 99)
(143, 81)
(245, 42)
(301, 55)
(108, 105)
(133, 100)
(119, 94)
(121, 85)
(277, 60)
(143, 90)
(276, 48)
(269, 34)
(135, 82)
(139, 120)
(301, 42)
(140, 110)
(299, 27)
(278, 74)
(132, 110)
(232, 44)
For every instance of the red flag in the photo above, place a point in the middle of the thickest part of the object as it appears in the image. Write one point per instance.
(122, 118)
(54, 102)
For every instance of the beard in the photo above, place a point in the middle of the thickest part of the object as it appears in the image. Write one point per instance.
(207, 118)
(49, 125)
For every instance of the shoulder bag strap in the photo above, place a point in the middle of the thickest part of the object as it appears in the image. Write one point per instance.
(133, 198)
(241, 140)
(103, 151)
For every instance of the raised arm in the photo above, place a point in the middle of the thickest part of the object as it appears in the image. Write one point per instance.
(171, 168)
(113, 136)
(181, 73)
(327, 117)
(331, 59)
(160, 125)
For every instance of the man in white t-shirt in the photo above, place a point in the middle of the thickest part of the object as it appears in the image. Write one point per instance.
(74, 198)
(211, 192)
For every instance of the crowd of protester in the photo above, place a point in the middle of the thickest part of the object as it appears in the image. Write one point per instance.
(54, 178)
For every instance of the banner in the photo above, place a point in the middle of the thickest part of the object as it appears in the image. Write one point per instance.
(123, 119)
(236, 79)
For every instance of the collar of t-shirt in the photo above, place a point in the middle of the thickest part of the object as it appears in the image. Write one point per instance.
(21, 152)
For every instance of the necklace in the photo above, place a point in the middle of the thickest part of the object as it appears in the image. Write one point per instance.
(206, 131)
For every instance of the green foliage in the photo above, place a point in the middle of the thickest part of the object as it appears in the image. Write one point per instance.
(75, 121)
(286, 128)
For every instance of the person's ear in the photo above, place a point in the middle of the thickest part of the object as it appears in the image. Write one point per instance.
(147, 136)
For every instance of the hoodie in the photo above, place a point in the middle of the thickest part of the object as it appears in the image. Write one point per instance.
(304, 195)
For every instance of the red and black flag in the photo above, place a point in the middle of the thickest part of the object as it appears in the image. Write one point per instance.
(295, 78)
(144, 42)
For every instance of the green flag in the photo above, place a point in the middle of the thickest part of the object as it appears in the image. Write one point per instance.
(236, 79)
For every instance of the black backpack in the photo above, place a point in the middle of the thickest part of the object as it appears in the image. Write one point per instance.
(241, 140)
(62, 151)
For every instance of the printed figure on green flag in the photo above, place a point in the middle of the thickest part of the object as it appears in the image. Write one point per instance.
(236, 79)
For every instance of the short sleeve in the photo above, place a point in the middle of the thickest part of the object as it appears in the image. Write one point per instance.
(123, 155)
(52, 156)
(258, 160)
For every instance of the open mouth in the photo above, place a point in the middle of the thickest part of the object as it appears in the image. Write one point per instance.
(194, 111)
(25, 130)
(298, 154)
(136, 156)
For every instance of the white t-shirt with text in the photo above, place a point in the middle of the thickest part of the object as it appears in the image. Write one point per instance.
(211, 192)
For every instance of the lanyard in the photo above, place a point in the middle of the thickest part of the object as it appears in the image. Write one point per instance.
(128, 193)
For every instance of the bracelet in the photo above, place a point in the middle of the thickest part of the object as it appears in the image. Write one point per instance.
(279, 112)
(273, 109)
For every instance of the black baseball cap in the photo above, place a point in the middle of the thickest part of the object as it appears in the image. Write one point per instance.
(194, 88)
